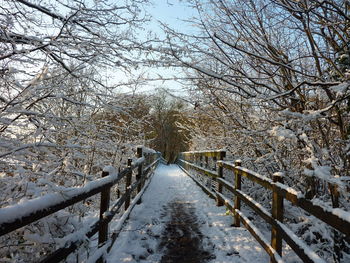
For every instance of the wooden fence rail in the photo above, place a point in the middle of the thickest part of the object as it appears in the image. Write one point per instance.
(51, 203)
(335, 217)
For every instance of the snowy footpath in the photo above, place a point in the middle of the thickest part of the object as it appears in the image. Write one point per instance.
(177, 222)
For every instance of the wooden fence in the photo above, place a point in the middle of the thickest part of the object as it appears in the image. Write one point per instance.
(205, 164)
(51, 203)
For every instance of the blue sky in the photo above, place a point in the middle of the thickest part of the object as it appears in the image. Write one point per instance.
(171, 12)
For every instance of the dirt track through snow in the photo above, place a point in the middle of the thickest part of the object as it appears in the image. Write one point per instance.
(182, 237)
(177, 222)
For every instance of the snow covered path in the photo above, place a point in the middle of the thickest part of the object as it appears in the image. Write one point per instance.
(177, 222)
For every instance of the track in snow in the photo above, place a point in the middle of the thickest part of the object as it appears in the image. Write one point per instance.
(182, 237)
(177, 222)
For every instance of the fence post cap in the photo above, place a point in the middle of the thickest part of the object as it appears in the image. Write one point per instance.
(222, 153)
(139, 151)
(278, 176)
(129, 161)
(109, 169)
(238, 162)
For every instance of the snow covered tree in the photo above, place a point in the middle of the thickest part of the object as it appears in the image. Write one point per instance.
(170, 133)
(54, 84)
(278, 72)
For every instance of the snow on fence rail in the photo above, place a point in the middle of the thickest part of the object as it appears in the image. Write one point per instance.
(335, 217)
(210, 153)
(17, 216)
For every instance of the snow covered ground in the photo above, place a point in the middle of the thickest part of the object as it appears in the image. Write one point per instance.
(144, 237)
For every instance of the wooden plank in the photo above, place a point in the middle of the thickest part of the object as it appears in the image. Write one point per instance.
(305, 253)
(253, 176)
(199, 169)
(326, 214)
(258, 208)
(277, 214)
(220, 175)
(104, 206)
(204, 188)
(139, 172)
(329, 215)
(150, 166)
(259, 237)
(253, 230)
(41, 213)
(238, 184)
(139, 168)
(61, 253)
(292, 240)
(213, 153)
(128, 179)
(139, 195)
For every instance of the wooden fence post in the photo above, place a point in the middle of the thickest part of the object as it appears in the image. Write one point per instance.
(128, 178)
(139, 174)
(238, 185)
(214, 163)
(219, 202)
(277, 213)
(338, 241)
(118, 190)
(186, 158)
(210, 179)
(104, 206)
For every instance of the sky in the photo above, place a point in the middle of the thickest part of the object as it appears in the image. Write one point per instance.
(171, 12)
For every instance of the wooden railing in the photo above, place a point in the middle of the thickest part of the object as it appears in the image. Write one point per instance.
(38, 208)
(205, 168)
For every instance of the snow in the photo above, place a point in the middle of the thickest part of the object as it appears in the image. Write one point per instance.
(146, 150)
(139, 161)
(282, 133)
(198, 152)
(262, 237)
(204, 170)
(341, 213)
(323, 172)
(26, 207)
(307, 250)
(341, 88)
(100, 252)
(255, 174)
(279, 174)
(344, 215)
(109, 169)
(140, 238)
(79, 235)
(290, 190)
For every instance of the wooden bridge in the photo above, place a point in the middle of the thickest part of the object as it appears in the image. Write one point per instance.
(220, 179)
